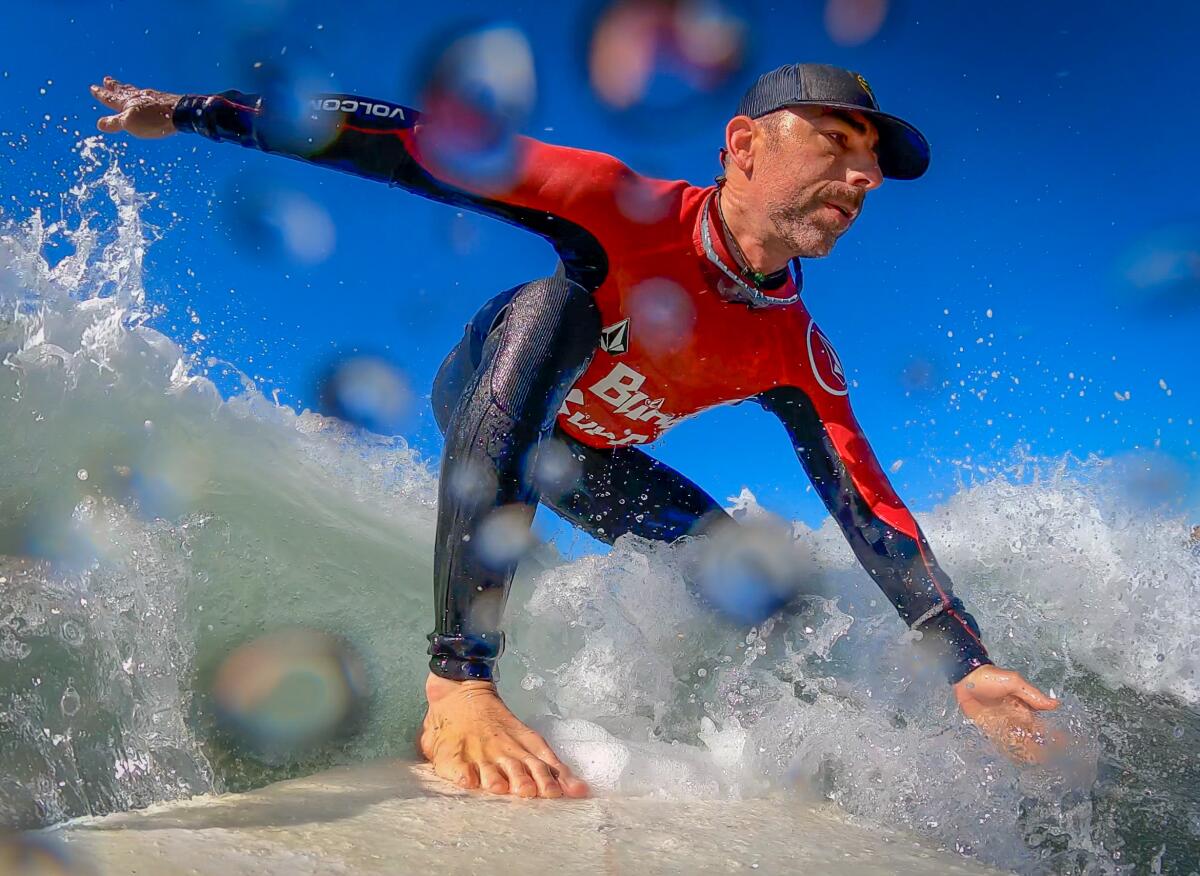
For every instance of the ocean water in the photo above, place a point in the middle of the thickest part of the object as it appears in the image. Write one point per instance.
(149, 525)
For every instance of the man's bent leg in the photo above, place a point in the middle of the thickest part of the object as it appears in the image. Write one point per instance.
(507, 400)
(625, 490)
(545, 339)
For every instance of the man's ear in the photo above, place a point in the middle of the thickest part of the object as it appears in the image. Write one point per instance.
(739, 142)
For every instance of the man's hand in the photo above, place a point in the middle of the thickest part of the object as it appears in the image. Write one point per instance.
(1004, 706)
(474, 741)
(142, 112)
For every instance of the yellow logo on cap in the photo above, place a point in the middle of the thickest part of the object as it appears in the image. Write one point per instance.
(865, 87)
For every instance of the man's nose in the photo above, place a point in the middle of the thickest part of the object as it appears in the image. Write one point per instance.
(865, 174)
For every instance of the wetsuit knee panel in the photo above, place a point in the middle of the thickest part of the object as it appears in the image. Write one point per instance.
(542, 342)
(559, 308)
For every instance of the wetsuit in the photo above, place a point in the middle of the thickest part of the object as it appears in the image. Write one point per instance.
(634, 334)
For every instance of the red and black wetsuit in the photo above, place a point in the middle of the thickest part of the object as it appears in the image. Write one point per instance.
(632, 337)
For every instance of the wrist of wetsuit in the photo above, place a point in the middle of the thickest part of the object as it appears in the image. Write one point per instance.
(951, 639)
(228, 115)
(465, 657)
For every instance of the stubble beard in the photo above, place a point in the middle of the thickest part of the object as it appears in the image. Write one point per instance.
(803, 227)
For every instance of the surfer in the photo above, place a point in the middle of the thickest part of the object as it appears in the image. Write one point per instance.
(670, 299)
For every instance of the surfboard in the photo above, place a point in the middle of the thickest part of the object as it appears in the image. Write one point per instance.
(393, 817)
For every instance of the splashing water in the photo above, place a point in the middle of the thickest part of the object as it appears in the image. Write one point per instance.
(148, 527)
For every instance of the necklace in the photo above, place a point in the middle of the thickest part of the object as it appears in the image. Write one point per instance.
(758, 277)
(740, 290)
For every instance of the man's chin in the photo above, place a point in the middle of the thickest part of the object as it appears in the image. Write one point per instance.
(810, 239)
(816, 248)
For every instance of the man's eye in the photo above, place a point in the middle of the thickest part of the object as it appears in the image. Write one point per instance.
(837, 137)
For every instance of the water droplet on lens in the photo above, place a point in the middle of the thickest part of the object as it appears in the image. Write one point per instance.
(70, 702)
(504, 537)
(367, 391)
(479, 93)
(288, 691)
(532, 682)
(854, 22)
(555, 468)
(663, 314)
(747, 570)
(472, 482)
(281, 223)
(664, 55)
(71, 632)
(1159, 272)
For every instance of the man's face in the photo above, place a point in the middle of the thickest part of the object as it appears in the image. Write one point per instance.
(812, 170)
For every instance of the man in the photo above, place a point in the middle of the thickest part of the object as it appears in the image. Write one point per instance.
(670, 299)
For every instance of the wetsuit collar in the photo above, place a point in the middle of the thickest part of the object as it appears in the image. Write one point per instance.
(735, 284)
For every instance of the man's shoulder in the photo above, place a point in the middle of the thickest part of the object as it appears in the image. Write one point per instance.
(807, 358)
(654, 206)
(590, 171)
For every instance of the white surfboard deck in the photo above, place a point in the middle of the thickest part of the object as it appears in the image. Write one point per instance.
(393, 817)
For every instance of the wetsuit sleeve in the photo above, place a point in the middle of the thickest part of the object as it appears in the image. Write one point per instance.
(555, 191)
(881, 531)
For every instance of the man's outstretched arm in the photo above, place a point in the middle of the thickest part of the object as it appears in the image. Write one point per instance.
(893, 550)
(556, 192)
(894, 554)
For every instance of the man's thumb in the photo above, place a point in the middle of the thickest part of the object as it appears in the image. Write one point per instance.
(109, 124)
(1034, 698)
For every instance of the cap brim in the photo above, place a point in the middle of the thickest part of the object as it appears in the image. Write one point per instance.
(903, 150)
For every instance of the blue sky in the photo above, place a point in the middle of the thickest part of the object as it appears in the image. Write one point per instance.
(1062, 142)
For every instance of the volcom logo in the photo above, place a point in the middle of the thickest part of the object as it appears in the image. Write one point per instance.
(363, 107)
(615, 338)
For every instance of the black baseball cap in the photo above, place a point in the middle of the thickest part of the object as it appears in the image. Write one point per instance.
(903, 150)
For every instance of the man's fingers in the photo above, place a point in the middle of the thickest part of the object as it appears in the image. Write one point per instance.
(547, 784)
(118, 89)
(539, 748)
(1016, 730)
(1034, 744)
(118, 86)
(519, 780)
(107, 97)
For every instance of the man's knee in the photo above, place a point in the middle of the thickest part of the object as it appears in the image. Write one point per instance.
(535, 345)
(561, 307)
